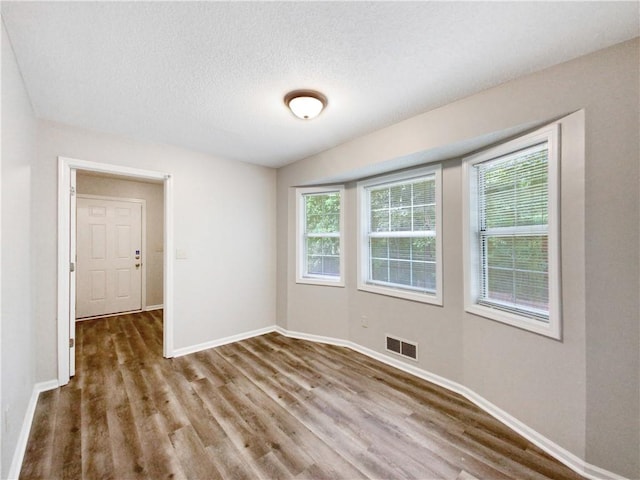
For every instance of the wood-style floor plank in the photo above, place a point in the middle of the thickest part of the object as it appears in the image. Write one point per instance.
(269, 407)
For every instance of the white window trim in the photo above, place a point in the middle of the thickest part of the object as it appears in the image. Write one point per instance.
(301, 276)
(363, 250)
(553, 329)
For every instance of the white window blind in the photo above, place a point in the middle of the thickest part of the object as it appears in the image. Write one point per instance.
(513, 215)
(321, 234)
(402, 234)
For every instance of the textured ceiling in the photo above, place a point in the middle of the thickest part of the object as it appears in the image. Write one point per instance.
(210, 76)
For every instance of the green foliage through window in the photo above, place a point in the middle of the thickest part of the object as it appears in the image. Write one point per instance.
(322, 234)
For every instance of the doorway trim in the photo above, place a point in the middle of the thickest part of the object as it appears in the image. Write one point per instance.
(66, 168)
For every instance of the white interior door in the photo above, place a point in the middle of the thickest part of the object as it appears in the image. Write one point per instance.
(109, 256)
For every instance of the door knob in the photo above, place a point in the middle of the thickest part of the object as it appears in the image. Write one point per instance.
(137, 265)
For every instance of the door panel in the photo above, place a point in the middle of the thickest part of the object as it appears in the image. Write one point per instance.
(98, 242)
(109, 243)
(123, 242)
(123, 283)
(98, 285)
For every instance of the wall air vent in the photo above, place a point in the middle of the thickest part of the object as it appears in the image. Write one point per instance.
(402, 347)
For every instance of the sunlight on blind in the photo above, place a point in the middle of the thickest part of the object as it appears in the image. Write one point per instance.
(513, 224)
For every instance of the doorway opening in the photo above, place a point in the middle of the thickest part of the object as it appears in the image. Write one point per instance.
(139, 271)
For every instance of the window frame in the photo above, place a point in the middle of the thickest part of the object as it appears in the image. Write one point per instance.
(472, 258)
(301, 265)
(364, 219)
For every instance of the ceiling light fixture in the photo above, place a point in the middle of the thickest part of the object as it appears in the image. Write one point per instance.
(305, 104)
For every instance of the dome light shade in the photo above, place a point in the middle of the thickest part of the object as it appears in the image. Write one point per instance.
(305, 104)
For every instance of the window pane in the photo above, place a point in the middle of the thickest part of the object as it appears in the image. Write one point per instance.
(331, 246)
(314, 223)
(380, 221)
(400, 272)
(321, 255)
(407, 209)
(380, 198)
(379, 248)
(500, 285)
(314, 265)
(331, 266)
(424, 275)
(500, 252)
(419, 275)
(532, 290)
(331, 203)
(380, 270)
(314, 246)
(313, 204)
(531, 253)
(431, 275)
(400, 195)
(400, 220)
(424, 192)
(513, 199)
(419, 193)
(331, 222)
(424, 248)
(515, 190)
(323, 265)
(400, 248)
(424, 218)
(517, 270)
(322, 213)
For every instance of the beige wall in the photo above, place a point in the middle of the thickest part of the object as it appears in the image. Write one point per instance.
(18, 345)
(153, 194)
(224, 218)
(584, 392)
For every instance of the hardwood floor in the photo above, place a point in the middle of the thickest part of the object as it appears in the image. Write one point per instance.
(268, 407)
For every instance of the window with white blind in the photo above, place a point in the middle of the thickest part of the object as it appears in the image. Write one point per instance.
(400, 244)
(319, 236)
(512, 266)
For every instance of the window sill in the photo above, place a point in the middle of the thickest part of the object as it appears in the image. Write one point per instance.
(551, 329)
(325, 282)
(399, 293)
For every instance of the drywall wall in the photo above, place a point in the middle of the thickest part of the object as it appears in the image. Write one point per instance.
(153, 194)
(583, 392)
(224, 220)
(612, 205)
(18, 343)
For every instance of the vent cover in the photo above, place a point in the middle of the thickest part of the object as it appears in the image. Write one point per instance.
(402, 347)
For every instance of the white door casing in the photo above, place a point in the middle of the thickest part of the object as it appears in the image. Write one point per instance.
(109, 256)
(72, 272)
(66, 310)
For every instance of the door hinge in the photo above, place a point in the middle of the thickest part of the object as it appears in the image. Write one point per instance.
(72, 267)
(72, 342)
(72, 190)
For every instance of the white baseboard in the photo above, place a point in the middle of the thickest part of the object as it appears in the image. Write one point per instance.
(23, 438)
(564, 456)
(148, 308)
(179, 352)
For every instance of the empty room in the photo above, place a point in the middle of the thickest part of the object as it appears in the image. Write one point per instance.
(312, 240)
